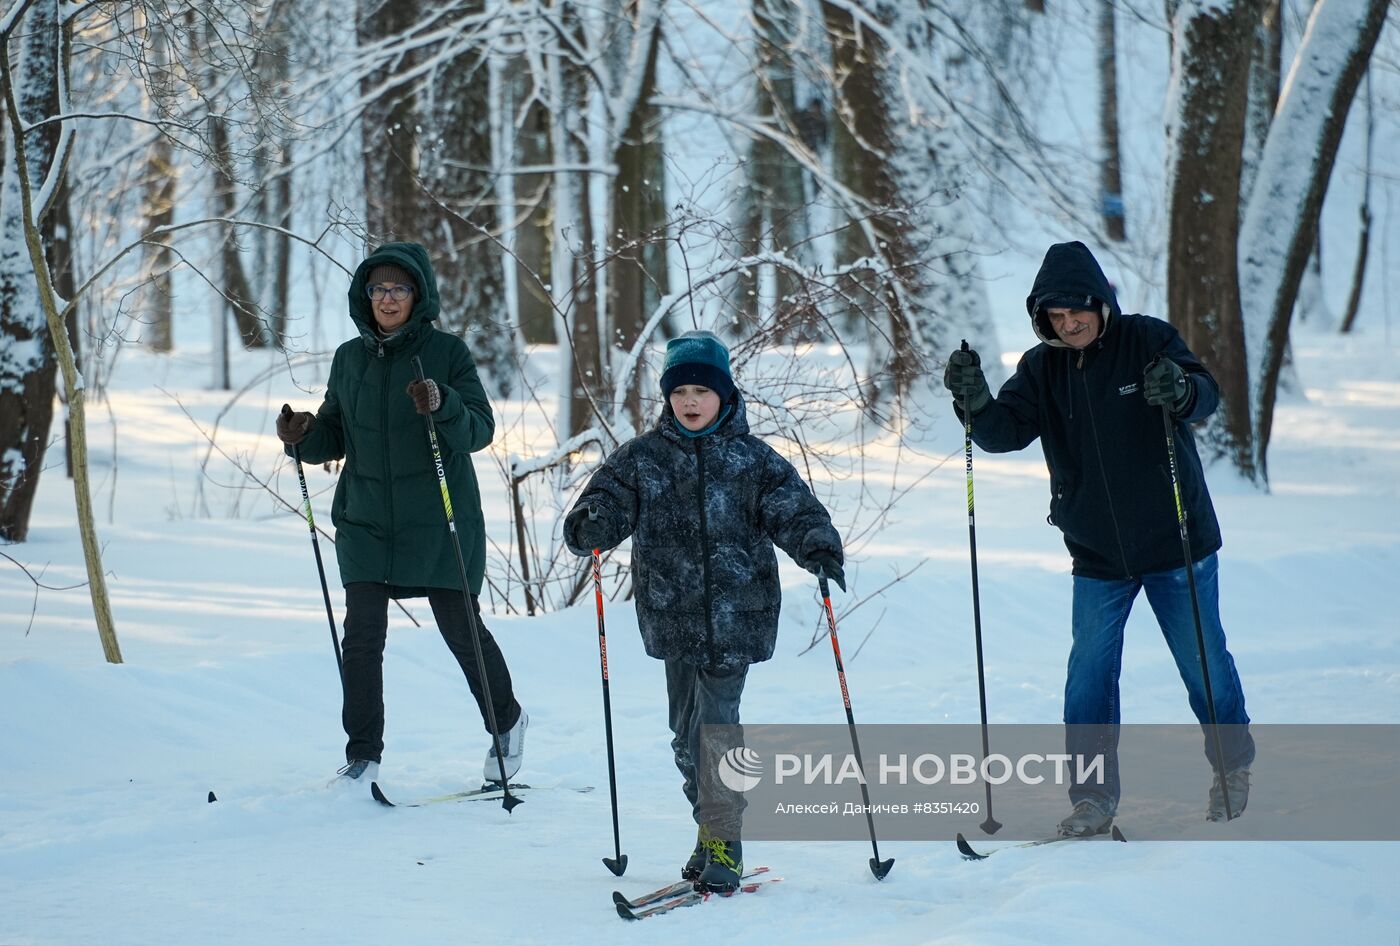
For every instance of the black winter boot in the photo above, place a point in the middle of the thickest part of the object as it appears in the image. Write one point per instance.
(725, 867)
(698, 857)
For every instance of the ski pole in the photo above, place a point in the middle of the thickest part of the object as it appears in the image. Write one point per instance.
(1195, 606)
(316, 547)
(508, 801)
(877, 867)
(616, 864)
(991, 825)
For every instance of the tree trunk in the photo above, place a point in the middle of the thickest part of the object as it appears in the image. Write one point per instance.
(47, 38)
(637, 245)
(1110, 169)
(273, 154)
(388, 130)
(1210, 85)
(860, 133)
(1281, 223)
(533, 237)
(575, 285)
(932, 242)
(1265, 72)
(1363, 248)
(27, 361)
(457, 168)
(158, 188)
(236, 291)
(774, 211)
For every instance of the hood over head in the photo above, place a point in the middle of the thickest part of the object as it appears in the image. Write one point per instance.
(413, 259)
(1070, 278)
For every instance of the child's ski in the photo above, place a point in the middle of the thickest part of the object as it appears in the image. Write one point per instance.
(688, 899)
(671, 890)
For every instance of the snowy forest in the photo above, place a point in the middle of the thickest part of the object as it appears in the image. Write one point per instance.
(222, 163)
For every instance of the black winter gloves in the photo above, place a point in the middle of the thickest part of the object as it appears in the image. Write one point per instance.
(588, 529)
(825, 565)
(426, 396)
(1164, 384)
(292, 428)
(964, 378)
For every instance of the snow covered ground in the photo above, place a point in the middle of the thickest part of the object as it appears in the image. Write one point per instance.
(230, 686)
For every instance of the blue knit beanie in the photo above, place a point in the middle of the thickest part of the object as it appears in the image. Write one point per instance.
(697, 358)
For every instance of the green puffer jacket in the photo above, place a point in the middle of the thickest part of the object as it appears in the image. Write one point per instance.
(388, 511)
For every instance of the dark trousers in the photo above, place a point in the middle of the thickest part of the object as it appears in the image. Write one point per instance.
(367, 626)
(704, 706)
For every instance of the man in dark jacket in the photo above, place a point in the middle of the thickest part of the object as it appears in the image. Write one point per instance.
(704, 501)
(1093, 391)
(392, 539)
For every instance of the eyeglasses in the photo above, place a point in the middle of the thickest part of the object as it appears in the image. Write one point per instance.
(1059, 315)
(397, 293)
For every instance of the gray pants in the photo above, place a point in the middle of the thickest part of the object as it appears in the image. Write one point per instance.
(702, 698)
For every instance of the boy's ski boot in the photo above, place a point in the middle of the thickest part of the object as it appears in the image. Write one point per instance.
(725, 867)
(698, 858)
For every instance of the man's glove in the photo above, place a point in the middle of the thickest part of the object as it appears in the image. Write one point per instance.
(426, 396)
(825, 565)
(1165, 384)
(589, 530)
(292, 428)
(965, 379)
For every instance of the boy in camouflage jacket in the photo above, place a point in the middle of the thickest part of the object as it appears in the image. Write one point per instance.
(704, 502)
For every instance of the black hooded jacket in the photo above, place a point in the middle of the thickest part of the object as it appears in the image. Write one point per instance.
(1105, 446)
(703, 514)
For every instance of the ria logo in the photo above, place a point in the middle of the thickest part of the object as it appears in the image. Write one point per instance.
(741, 769)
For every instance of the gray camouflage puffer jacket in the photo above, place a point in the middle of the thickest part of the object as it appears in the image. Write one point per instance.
(703, 514)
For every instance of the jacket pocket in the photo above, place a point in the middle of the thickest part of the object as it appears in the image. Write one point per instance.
(1058, 489)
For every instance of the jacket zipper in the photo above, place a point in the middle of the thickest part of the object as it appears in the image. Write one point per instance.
(705, 551)
(388, 473)
(1103, 470)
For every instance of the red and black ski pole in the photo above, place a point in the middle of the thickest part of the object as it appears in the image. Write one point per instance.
(616, 864)
(877, 867)
(508, 801)
(1195, 605)
(991, 825)
(316, 547)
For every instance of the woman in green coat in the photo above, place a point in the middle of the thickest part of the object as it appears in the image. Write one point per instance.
(392, 539)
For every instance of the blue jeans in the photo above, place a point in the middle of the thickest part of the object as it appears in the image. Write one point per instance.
(1092, 711)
